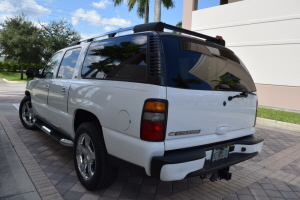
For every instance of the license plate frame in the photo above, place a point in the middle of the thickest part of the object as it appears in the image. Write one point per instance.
(220, 154)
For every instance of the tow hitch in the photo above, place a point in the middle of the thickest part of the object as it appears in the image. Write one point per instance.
(218, 175)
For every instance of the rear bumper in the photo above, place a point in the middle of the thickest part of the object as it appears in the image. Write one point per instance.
(178, 164)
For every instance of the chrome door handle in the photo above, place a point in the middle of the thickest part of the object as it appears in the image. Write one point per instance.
(46, 87)
(63, 90)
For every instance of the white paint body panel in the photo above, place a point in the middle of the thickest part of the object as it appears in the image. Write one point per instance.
(204, 110)
(58, 103)
(105, 99)
(39, 94)
(186, 142)
(132, 149)
(249, 148)
(173, 172)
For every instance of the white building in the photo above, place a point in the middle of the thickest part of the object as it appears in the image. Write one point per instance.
(265, 34)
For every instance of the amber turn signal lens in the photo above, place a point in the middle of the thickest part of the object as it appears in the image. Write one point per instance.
(155, 106)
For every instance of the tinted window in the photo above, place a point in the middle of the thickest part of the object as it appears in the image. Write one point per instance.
(120, 58)
(52, 65)
(68, 63)
(188, 68)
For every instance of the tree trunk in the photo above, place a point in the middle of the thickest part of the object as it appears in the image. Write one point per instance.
(22, 67)
(146, 17)
(157, 11)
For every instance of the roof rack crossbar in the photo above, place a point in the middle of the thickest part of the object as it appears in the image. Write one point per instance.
(154, 26)
(109, 34)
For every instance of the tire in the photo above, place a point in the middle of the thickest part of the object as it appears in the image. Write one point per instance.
(90, 157)
(26, 113)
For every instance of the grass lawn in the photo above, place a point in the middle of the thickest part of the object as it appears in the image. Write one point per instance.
(279, 115)
(13, 76)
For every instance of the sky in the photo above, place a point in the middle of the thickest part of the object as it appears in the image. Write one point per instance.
(90, 17)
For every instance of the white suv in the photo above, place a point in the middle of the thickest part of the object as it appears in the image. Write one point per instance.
(175, 105)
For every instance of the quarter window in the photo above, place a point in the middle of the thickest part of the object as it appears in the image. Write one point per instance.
(120, 58)
(68, 63)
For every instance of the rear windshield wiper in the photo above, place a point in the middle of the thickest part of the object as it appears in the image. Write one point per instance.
(243, 94)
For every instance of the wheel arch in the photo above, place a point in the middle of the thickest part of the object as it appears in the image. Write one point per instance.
(82, 116)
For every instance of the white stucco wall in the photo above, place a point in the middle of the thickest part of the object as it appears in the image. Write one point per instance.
(265, 34)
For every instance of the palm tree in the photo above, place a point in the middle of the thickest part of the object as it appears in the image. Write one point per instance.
(157, 12)
(179, 25)
(143, 7)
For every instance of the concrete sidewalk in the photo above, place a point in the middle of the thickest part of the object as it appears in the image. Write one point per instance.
(37, 167)
(14, 182)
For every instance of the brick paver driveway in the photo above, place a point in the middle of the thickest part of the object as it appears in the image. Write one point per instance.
(273, 174)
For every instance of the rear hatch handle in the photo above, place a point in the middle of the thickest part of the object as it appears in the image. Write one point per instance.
(243, 94)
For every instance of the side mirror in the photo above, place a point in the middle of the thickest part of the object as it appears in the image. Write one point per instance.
(32, 72)
(223, 87)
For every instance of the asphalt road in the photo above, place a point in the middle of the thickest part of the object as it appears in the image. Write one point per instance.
(11, 92)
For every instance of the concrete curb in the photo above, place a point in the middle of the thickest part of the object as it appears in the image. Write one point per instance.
(7, 81)
(278, 124)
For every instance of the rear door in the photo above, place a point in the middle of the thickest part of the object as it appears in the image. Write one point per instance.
(59, 90)
(200, 80)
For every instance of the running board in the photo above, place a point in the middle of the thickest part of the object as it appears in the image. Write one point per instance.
(58, 136)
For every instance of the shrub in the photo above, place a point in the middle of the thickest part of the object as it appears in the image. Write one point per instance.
(10, 67)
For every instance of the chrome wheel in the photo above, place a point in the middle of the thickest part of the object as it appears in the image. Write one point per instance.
(27, 113)
(85, 156)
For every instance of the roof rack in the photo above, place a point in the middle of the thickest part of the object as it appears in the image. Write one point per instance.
(154, 26)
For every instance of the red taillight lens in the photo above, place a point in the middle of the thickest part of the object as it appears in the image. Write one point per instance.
(219, 37)
(154, 119)
(152, 131)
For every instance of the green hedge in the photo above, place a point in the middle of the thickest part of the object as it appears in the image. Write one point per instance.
(9, 67)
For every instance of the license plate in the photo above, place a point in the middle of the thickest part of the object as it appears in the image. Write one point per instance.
(219, 154)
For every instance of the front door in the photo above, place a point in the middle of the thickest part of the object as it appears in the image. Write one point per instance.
(40, 86)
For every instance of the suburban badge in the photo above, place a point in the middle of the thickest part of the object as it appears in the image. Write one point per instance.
(184, 132)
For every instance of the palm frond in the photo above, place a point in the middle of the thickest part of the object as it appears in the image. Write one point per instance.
(141, 8)
(179, 24)
(168, 3)
(140, 11)
(117, 2)
(131, 4)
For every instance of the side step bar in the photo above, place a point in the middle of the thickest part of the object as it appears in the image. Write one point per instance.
(61, 138)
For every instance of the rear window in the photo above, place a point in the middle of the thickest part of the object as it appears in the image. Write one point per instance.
(120, 58)
(188, 68)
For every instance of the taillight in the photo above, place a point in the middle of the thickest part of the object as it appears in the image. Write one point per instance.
(256, 112)
(154, 120)
(219, 37)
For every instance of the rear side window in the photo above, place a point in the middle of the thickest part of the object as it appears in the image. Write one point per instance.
(120, 58)
(188, 68)
(68, 63)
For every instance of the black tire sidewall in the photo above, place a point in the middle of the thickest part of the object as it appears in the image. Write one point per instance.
(24, 100)
(90, 128)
